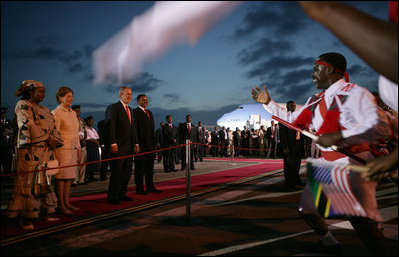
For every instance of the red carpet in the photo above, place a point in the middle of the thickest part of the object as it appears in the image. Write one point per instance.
(94, 207)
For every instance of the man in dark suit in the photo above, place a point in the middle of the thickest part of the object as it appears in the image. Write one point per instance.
(201, 140)
(290, 141)
(223, 142)
(245, 139)
(237, 141)
(215, 142)
(120, 123)
(187, 130)
(158, 141)
(272, 135)
(144, 164)
(170, 138)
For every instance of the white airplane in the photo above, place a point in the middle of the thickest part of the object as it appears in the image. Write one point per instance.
(249, 115)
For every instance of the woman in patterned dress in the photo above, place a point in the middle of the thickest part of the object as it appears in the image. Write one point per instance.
(32, 195)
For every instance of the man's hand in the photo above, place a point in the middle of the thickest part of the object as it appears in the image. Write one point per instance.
(51, 143)
(260, 96)
(382, 166)
(114, 148)
(136, 148)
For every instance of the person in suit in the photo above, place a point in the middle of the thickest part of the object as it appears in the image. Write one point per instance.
(290, 141)
(144, 164)
(223, 139)
(120, 123)
(215, 142)
(245, 141)
(237, 141)
(272, 136)
(188, 131)
(170, 138)
(158, 141)
(201, 140)
(7, 148)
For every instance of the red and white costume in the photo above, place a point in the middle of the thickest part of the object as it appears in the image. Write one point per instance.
(351, 109)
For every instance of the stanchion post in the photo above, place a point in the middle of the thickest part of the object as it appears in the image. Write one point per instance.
(188, 180)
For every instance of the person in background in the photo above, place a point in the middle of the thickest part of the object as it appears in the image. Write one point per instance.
(170, 137)
(7, 148)
(67, 124)
(81, 169)
(261, 138)
(208, 142)
(187, 130)
(290, 141)
(223, 142)
(158, 141)
(215, 142)
(104, 144)
(237, 141)
(93, 154)
(272, 137)
(201, 140)
(37, 133)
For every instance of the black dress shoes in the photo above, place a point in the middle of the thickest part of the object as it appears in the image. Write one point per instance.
(126, 198)
(154, 190)
(115, 202)
(141, 192)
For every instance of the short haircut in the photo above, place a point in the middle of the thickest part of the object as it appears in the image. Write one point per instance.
(167, 116)
(336, 60)
(140, 96)
(61, 92)
(122, 89)
(88, 118)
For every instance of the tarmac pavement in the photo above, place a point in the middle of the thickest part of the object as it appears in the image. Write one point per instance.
(250, 219)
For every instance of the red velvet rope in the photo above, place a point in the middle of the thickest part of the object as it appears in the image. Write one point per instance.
(127, 156)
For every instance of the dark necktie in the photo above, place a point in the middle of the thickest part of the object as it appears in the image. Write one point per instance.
(148, 114)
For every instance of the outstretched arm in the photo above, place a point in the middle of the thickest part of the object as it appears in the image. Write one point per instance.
(373, 40)
(260, 96)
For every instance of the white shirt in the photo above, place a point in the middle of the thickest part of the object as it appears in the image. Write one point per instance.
(358, 115)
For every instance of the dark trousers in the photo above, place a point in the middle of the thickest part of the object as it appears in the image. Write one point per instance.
(215, 150)
(292, 164)
(200, 151)
(169, 160)
(92, 155)
(121, 170)
(144, 168)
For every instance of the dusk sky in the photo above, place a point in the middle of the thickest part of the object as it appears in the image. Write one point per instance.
(260, 42)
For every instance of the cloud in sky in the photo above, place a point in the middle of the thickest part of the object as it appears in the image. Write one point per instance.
(282, 19)
(260, 42)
